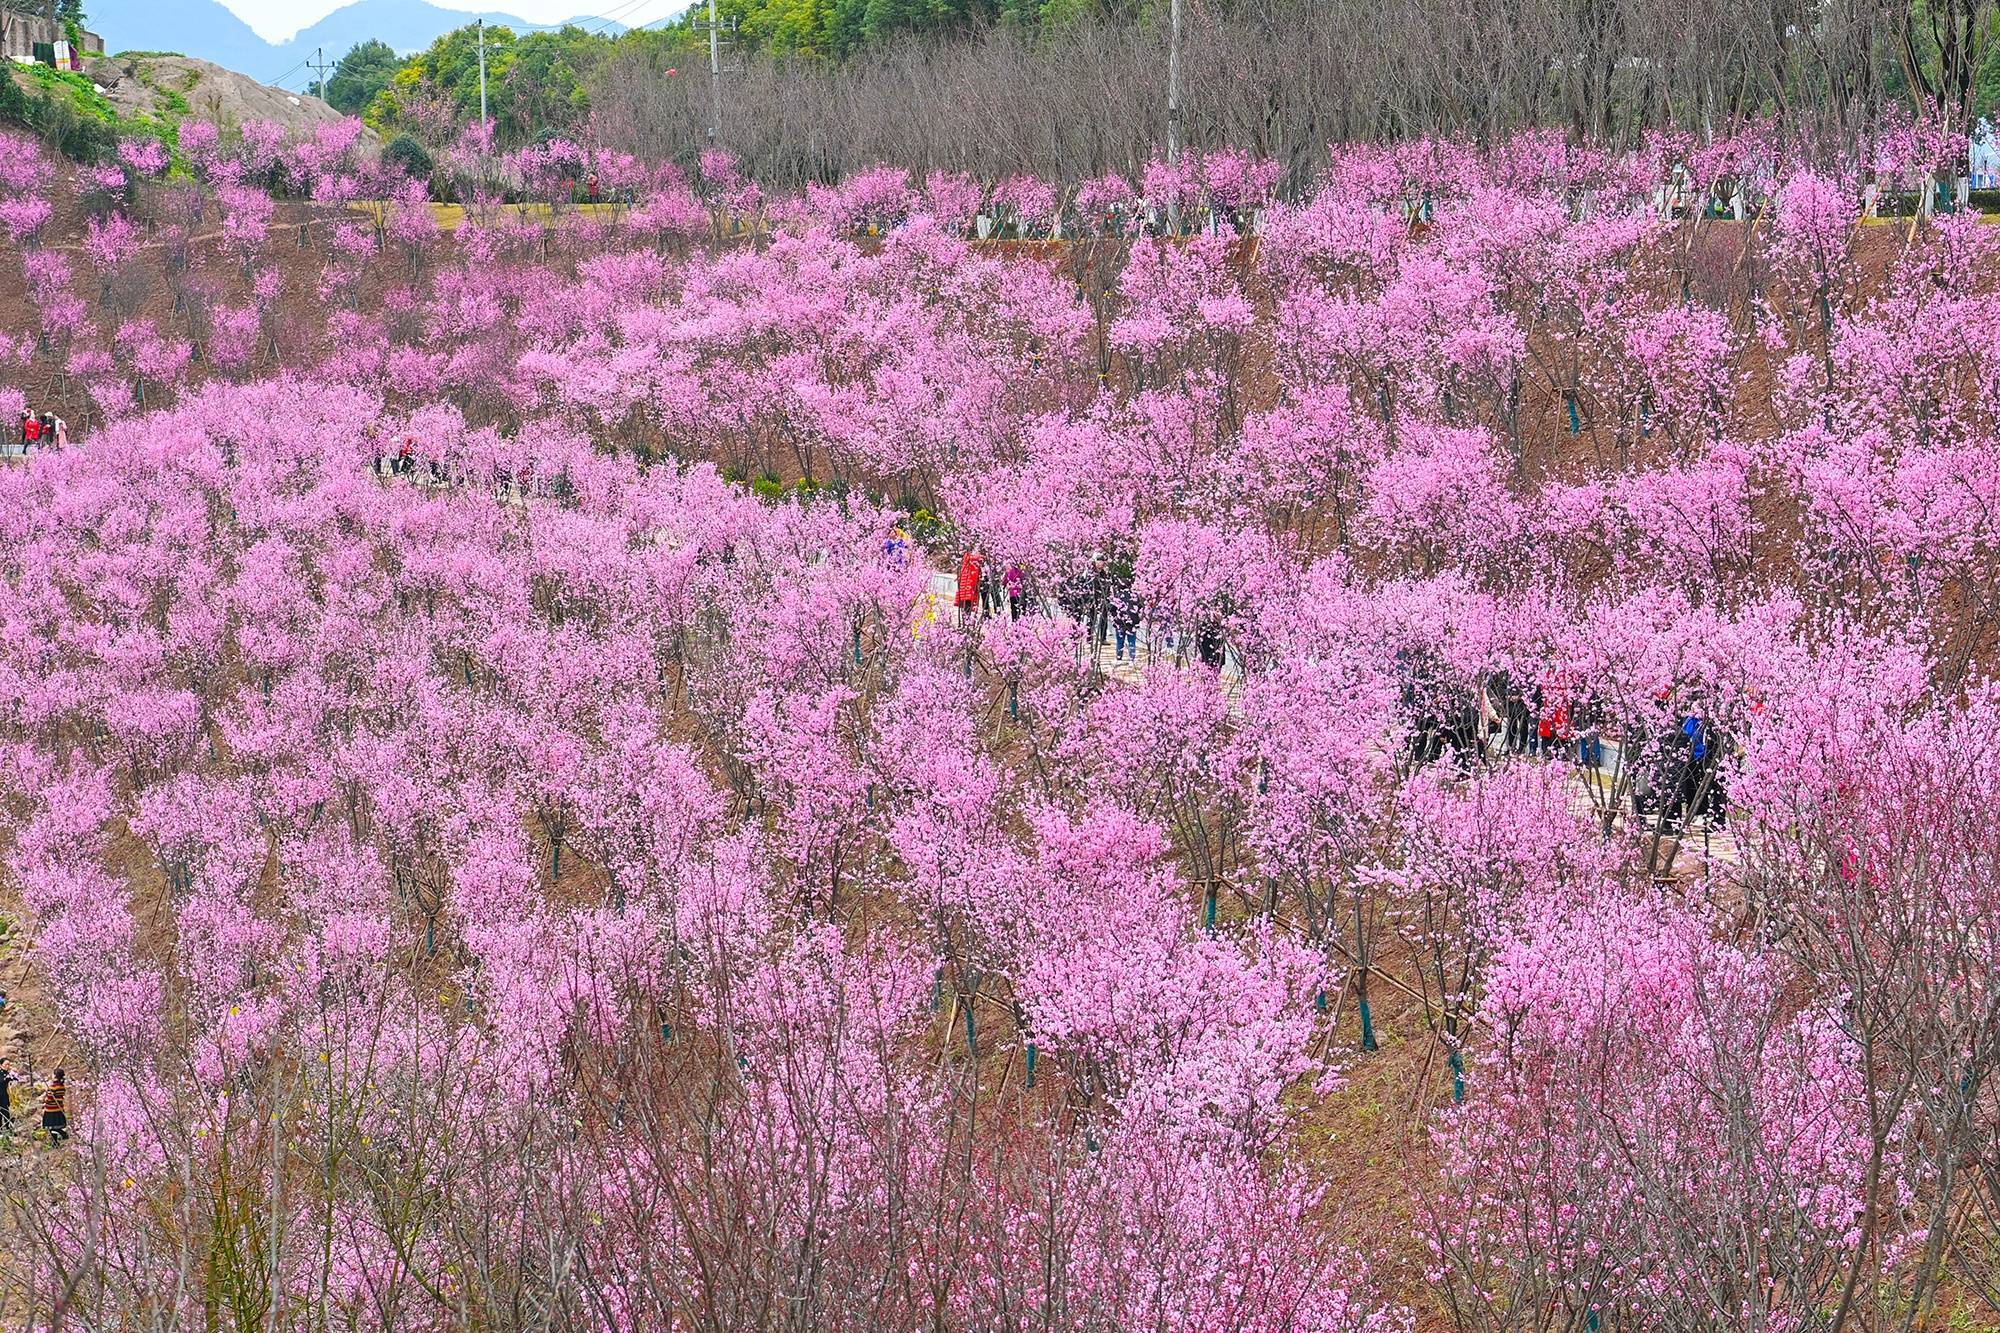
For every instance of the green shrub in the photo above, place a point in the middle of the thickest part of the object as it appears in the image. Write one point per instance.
(407, 153)
(15, 105)
(71, 115)
(768, 489)
(77, 135)
(929, 530)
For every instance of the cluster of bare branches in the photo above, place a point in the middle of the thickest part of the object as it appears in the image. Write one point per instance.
(1283, 78)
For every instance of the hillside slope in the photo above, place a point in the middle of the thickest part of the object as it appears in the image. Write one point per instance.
(162, 86)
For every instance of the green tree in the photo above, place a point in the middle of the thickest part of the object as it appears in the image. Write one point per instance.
(791, 26)
(366, 69)
(441, 80)
(534, 84)
(542, 90)
(1941, 54)
(407, 153)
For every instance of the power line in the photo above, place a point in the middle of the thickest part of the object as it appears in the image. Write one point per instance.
(1174, 112)
(279, 81)
(714, 77)
(604, 21)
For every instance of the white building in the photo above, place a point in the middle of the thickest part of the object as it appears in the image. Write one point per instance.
(1985, 156)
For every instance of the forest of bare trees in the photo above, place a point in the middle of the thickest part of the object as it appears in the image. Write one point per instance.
(1284, 78)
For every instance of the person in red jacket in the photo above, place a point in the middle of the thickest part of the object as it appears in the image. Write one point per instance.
(1552, 729)
(968, 585)
(31, 431)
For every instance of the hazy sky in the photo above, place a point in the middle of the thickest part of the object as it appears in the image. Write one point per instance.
(276, 20)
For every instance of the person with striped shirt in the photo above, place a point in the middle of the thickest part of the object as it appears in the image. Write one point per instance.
(55, 1109)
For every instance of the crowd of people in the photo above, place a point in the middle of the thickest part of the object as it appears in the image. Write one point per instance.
(1676, 776)
(43, 430)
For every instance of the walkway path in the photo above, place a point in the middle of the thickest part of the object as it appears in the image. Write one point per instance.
(1704, 844)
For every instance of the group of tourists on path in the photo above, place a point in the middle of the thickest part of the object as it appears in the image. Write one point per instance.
(44, 430)
(1100, 598)
(1675, 776)
(985, 589)
(55, 1104)
(420, 464)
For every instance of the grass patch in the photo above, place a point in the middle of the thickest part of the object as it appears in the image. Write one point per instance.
(78, 91)
(170, 99)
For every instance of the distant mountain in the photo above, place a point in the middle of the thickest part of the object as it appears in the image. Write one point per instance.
(407, 25)
(204, 29)
(207, 30)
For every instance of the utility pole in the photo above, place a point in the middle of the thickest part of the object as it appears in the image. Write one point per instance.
(320, 66)
(482, 74)
(715, 74)
(1174, 109)
(1173, 84)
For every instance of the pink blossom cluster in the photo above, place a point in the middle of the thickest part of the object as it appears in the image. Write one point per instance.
(24, 182)
(509, 817)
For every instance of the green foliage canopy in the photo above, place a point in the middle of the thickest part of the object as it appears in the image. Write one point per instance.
(362, 74)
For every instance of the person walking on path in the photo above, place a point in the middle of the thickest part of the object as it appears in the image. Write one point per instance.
(990, 598)
(1099, 603)
(1015, 582)
(967, 600)
(1208, 645)
(1125, 625)
(55, 1109)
